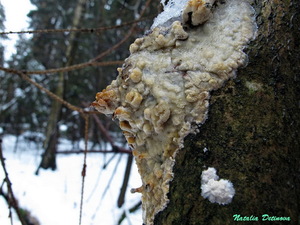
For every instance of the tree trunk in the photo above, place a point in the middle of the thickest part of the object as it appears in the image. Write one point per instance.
(50, 145)
(252, 133)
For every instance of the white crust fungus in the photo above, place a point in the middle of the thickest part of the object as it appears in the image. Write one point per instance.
(198, 11)
(162, 91)
(215, 190)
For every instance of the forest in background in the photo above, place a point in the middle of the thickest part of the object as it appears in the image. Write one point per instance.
(47, 86)
(73, 52)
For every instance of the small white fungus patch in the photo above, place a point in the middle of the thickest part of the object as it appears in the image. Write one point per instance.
(215, 190)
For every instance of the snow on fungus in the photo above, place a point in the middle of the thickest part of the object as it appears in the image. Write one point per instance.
(172, 11)
(162, 91)
(217, 191)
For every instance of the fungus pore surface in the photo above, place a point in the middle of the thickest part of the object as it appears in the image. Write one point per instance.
(162, 91)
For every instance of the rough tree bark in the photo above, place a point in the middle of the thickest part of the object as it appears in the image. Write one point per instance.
(252, 133)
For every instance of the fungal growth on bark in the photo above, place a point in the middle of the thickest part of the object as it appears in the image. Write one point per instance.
(216, 190)
(162, 91)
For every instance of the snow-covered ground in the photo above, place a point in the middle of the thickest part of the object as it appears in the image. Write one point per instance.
(53, 197)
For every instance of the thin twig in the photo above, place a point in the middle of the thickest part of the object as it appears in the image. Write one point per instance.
(114, 150)
(106, 188)
(51, 94)
(131, 210)
(7, 199)
(75, 67)
(129, 33)
(83, 173)
(65, 69)
(82, 30)
(111, 178)
(11, 197)
(104, 131)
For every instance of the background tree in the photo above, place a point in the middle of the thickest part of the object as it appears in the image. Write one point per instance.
(252, 132)
(51, 140)
(48, 50)
(2, 19)
(105, 30)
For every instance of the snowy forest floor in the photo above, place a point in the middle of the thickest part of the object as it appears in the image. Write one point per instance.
(53, 197)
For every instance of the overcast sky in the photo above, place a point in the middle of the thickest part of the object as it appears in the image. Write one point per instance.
(16, 20)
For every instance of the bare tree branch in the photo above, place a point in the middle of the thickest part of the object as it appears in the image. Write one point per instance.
(115, 150)
(64, 69)
(82, 30)
(10, 195)
(121, 198)
(129, 33)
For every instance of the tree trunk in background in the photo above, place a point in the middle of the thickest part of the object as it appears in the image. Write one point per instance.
(50, 145)
(252, 133)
